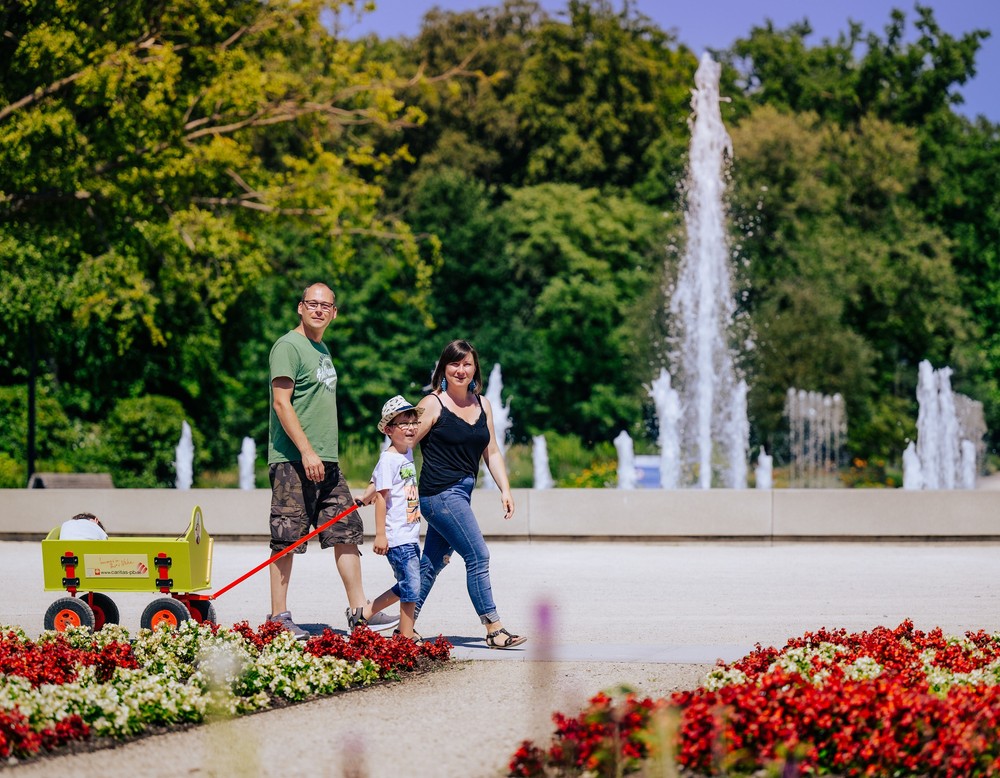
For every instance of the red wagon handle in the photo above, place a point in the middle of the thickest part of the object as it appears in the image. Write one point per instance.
(281, 553)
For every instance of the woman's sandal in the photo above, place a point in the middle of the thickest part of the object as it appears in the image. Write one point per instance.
(508, 642)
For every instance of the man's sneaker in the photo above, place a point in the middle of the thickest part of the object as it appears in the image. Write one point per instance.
(382, 621)
(379, 622)
(285, 620)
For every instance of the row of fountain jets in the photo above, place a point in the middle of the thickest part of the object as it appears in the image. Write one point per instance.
(703, 426)
(184, 461)
(944, 456)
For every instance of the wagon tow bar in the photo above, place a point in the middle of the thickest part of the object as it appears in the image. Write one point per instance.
(280, 554)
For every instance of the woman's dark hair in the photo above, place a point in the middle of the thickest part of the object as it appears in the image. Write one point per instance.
(456, 351)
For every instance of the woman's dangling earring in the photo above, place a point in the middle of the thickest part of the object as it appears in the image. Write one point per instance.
(472, 385)
(444, 384)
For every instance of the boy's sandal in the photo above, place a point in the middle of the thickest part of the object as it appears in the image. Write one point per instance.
(493, 639)
(417, 637)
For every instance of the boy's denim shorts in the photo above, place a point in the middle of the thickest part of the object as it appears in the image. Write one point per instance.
(405, 562)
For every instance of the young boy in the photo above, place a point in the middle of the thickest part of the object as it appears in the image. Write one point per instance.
(83, 526)
(397, 511)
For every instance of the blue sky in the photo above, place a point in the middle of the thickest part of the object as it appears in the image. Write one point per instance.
(717, 23)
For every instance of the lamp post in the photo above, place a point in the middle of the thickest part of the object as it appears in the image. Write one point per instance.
(32, 372)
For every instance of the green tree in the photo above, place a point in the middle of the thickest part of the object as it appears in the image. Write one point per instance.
(471, 284)
(894, 79)
(599, 100)
(472, 123)
(851, 287)
(58, 436)
(594, 94)
(586, 268)
(913, 207)
(140, 442)
(147, 150)
(960, 193)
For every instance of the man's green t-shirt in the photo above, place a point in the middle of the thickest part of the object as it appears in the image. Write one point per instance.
(314, 398)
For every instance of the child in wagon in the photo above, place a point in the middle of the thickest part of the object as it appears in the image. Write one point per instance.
(83, 526)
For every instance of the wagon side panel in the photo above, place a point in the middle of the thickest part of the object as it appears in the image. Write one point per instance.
(120, 565)
(192, 568)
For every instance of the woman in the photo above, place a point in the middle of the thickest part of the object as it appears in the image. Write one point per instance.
(456, 430)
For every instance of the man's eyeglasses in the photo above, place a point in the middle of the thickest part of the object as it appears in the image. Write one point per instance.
(405, 425)
(312, 305)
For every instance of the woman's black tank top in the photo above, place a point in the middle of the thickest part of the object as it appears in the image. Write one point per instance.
(451, 450)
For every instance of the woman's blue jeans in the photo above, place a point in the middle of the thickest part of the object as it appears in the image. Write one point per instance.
(452, 526)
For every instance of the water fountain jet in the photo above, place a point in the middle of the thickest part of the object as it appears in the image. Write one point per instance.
(950, 429)
(763, 474)
(502, 421)
(247, 459)
(714, 432)
(540, 460)
(668, 414)
(627, 476)
(184, 458)
(817, 427)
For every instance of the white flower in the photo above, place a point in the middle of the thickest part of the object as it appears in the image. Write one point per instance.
(184, 675)
(718, 677)
(864, 668)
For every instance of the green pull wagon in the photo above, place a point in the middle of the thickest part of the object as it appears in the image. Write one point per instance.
(173, 567)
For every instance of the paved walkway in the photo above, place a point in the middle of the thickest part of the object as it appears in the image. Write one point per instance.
(653, 616)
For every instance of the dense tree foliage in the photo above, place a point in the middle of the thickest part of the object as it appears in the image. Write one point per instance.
(851, 288)
(895, 79)
(158, 160)
(173, 173)
(846, 168)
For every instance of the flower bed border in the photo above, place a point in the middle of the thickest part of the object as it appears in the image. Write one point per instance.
(81, 691)
(881, 702)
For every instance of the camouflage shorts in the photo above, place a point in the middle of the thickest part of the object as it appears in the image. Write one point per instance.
(298, 505)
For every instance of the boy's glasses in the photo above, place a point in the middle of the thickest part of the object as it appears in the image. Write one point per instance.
(405, 425)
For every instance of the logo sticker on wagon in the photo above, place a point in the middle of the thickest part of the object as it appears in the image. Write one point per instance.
(115, 565)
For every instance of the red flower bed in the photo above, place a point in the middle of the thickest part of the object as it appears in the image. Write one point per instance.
(18, 739)
(55, 662)
(597, 740)
(390, 654)
(265, 633)
(885, 702)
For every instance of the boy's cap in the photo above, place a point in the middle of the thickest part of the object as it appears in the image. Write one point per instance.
(392, 408)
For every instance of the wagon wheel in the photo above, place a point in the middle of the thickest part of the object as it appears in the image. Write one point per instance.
(69, 612)
(202, 611)
(105, 610)
(165, 610)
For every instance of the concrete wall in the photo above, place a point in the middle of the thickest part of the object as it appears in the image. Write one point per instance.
(781, 514)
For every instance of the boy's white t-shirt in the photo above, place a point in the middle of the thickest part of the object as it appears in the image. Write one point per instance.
(81, 529)
(397, 473)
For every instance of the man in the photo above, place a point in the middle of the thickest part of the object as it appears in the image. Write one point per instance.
(307, 487)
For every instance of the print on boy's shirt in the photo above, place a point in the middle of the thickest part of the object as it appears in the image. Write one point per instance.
(408, 475)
